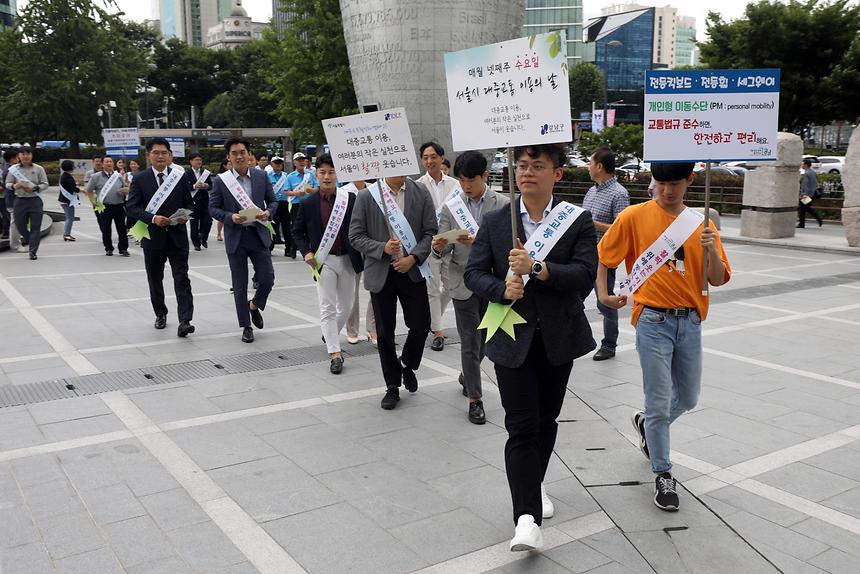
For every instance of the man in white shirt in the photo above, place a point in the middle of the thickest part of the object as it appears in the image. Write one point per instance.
(440, 187)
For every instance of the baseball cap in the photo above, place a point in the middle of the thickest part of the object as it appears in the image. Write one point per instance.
(299, 155)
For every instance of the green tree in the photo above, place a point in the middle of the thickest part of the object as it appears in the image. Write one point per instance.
(806, 40)
(308, 70)
(243, 103)
(586, 87)
(624, 139)
(842, 86)
(63, 59)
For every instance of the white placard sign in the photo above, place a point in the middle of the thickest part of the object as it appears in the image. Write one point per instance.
(177, 147)
(121, 142)
(370, 146)
(509, 94)
(711, 115)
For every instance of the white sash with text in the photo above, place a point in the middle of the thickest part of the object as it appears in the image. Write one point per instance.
(398, 222)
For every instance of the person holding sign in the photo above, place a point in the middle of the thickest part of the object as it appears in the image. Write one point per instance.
(321, 233)
(464, 213)
(300, 183)
(201, 221)
(441, 187)
(69, 197)
(155, 197)
(107, 191)
(663, 244)
(393, 224)
(28, 181)
(243, 200)
(546, 281)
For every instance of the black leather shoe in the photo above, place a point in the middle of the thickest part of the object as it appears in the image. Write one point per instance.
(185, 329)
(247, 335)
(438, 343)
(409, 380)
(336, 365)
(196, 248)
(161, 321)
(476, 413)
(33, 256)
(462, 380)
(205, 245)
(256, 317)
(109, 253)
(603, 353)
(124, 254)
(391, 398)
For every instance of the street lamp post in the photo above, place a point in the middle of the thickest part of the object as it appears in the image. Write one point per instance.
(606, 46)
(109, 107)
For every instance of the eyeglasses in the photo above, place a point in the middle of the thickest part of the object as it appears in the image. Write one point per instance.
(534, 167)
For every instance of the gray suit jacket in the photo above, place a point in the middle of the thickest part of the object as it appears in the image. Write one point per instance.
(222, 206)
(368, 233)
(459, 252)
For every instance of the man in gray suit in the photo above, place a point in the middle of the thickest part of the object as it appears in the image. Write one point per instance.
(393, 271)
(471, 169)
(243, 241)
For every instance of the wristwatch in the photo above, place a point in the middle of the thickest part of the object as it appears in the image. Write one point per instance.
(537, 267)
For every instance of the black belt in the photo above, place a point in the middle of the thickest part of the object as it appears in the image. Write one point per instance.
(678, 312)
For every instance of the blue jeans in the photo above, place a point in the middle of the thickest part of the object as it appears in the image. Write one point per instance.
(610, 315)
(670, 353)
(70, 218)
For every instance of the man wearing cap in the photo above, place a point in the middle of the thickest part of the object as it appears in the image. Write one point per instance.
(278, 179)
(28, 181)
(300, 184)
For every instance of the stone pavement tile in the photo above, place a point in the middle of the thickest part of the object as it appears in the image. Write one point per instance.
(484, 491)
(112, 503)
(38, 469)
(325, 539)
(599, 454)
(447, 535)
(847, 502)
(27, 559)
(830, 535)
(173, 509)
(612, 544)
(101, 561)
(489, 448)
(721, 451)
(241, 568)
(52, 499)
(83, 427)
(742, 405)
(222, 444)
(811, 403)
(280, 421)
(18, 429)
(422, 455)
(205, 547)
(844, 461)
(68, 409)
(137, 541)
(771, 511)
(785, 562)
(40, 374)
(757, 529)
(165, 404)
(743, 430)
(272, 488)
(170, 565)
(449, 423)
(295, 385)
(320, 448)
(68, 534)
(807, 481)
(577, 557)
(534, 563)
(16, 527)
(246, 400)
(357, 419)
(812, 426)
(10, 494)
(700, 549)
(93, 467)
(387, 495)
(836, 562)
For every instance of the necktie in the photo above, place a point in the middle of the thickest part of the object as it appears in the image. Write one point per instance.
(160, 179)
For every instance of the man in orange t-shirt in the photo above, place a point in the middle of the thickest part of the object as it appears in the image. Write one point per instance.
(668, 309)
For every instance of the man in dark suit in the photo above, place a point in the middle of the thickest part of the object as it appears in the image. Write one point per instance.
(341, 262)
(166, 242)
(392, 272)
(201, 223)
(246, 239)
(533, 369)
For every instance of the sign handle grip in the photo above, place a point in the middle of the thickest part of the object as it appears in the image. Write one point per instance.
(707, 222)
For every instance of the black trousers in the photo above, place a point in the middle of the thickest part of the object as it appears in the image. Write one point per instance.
(289, 244)
(201, 221)
(803, 209)
(5, 220)
(416, 314)
(282, 222)
(250, 247)
(154, 259)
(532, 396)
(113, 215)
(29, 210)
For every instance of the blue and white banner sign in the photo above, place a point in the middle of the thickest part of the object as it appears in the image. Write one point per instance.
(711, 115)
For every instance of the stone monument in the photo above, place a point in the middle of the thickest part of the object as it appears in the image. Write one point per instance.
(396, 50)
(771, 192)
(851, 183)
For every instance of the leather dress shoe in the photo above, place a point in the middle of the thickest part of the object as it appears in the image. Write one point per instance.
(124, 254)
(185, 329)
(33, 256)
(438, 343)
(256, 317)
(205, 245)
(336, 365)
(476, 413)
(247, 335)
(197, 248)
(391, 398)
(161, 321)
(603, 353)
(410, 381)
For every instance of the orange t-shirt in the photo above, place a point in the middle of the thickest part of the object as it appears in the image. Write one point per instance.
(633, 231)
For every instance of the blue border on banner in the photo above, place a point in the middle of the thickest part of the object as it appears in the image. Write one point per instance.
(712, 81)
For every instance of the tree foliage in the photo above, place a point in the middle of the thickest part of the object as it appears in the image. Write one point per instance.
(308, 69)
(243, 103)
(814, 43)
(623, 139)
(586, 87)
(190, 74)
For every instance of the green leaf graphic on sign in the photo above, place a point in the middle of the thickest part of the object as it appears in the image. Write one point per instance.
(554, 40)
(531, 41)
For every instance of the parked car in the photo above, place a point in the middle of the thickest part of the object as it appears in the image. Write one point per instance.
(830, 164)
(573, 161)
(636, 167)
(723, 170)
(746, 165)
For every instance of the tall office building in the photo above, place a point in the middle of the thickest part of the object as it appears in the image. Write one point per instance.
(686, 53)
(189, 20)
(665, 29)
(8, 13)
(280, 17)
(550, 15)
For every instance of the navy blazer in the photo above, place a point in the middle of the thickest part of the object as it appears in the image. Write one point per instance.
(308, 229)
(222, 206)
(143, 187)
(555, 304)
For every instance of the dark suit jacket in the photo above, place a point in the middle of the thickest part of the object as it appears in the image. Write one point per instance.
(368, 232)
(222, 206)
(143, 187)
(193, 179)
(308, 229)
(556, 304)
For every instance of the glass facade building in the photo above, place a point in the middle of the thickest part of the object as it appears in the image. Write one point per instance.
(8, 12)
(549, 15)
(686, 43)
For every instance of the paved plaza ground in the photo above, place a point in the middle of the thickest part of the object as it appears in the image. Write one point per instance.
(125, 449)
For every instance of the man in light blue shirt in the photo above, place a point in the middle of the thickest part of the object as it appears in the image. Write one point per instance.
(278, 179)
(300, 184)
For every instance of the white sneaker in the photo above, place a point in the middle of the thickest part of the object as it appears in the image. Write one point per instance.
(527, 535)
(352, 340)
(547, 507)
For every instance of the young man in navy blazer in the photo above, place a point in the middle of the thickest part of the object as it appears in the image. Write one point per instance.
(533, 369)
(246, 242)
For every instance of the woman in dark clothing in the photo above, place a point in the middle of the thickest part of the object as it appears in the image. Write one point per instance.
(68, 197)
